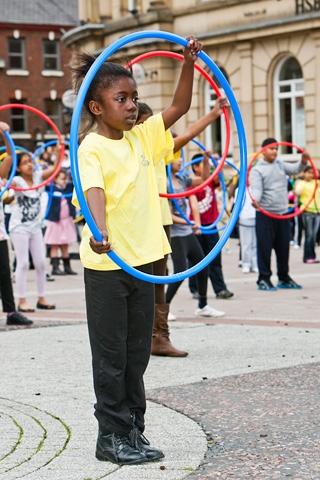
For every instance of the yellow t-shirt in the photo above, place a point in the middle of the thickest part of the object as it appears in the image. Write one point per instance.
(307, 190)
(124, 169)
(161, 174)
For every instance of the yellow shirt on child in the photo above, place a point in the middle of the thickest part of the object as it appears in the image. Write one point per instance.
(307, 191)
(124, 169)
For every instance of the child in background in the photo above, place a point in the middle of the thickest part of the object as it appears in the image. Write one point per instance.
(60, 230)
(209, 212)
(184, 243)
(25, 229)
(310, 216)
(247, 233)
(116, 166)
(269, 188)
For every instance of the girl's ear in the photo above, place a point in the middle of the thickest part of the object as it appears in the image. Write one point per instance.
(95, 107)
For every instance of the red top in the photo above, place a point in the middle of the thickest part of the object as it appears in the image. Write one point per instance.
(207, 204)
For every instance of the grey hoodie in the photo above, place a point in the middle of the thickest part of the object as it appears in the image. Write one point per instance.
(269, 184)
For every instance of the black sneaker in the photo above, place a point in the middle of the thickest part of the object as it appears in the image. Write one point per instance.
(224, 294)
(18, 319)
(288, 283)
(265, 284)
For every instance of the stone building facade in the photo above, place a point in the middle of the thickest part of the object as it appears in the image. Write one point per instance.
(268, 50)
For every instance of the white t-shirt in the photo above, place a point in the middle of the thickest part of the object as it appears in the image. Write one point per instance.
(25, 215)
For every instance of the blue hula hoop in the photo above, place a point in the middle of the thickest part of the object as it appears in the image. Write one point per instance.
(14, 163)
(179, 276)
(44, 146)
(50, 192)
(208, 228)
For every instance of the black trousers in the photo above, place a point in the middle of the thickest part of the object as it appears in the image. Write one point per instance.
(8, 304)
(272, 234)
(120, 310)
(184, 249)
(207, 242)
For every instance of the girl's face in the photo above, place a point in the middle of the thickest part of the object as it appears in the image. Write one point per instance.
(308, 176)
(61, 180)
(176, 165)
(117, 112)
(26, 165)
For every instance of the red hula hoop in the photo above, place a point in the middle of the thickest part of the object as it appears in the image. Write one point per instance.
(56, 130)
(178, 56)
(298, 211)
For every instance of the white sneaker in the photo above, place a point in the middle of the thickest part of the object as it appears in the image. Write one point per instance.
(296, 247)
(208, 311)
(171, 317)
(255, 270)
(245, 270)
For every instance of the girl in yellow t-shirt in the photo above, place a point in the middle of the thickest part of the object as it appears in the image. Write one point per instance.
(118, 178)
(304, 189)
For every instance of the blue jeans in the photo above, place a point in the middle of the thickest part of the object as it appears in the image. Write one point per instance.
(310, 223)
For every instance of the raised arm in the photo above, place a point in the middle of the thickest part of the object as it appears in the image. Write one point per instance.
(193, 130)
(7, 161)
(182, 98)
(49, 171)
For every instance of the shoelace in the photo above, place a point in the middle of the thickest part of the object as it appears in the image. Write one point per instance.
(136, 437)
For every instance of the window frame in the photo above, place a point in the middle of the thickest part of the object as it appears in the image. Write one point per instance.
(16, 116)
(210, 98)
(293, 93)
(14, 55)
(49, 56)
(56, 118)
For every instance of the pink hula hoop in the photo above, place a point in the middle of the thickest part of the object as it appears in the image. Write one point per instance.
(299, 210)
(177, 56)
(56, 130)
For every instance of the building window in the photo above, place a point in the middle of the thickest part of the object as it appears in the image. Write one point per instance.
(289, 105)
(215, 134)
(51, 55)
(54, 112)
(18, 118)
(16, 54)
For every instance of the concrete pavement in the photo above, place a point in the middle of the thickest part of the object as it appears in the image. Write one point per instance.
(46, 402)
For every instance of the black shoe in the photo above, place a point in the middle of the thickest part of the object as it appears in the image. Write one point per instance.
(265, 284)
(139, 441)
(224, 294)
(288, 283)
(18, 319)
(118, 449)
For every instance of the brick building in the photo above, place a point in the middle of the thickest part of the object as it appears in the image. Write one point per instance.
(34, 65)
(269, 51)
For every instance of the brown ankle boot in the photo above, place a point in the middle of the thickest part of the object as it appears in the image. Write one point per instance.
(161, 344)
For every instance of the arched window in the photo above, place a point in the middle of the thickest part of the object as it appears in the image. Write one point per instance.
(215, 134)
(289, 105)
